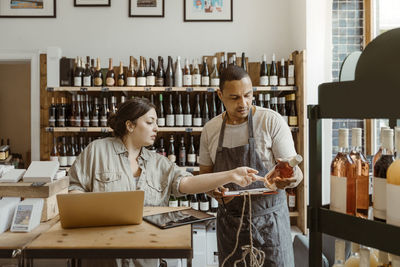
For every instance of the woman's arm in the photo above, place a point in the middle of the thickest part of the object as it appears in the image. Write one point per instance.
(242, 176)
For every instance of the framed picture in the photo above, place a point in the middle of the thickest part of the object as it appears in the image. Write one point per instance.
(27, 8)
(208, 10)
(90, 3)
(146, 8)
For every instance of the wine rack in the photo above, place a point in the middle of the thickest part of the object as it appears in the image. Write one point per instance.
(356, 99)
(298, 218)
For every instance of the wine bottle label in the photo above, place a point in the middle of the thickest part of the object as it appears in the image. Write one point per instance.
(293, 120)
(197, 122)
(70, 160)
(338, 194)
(187, 119)
(184, 203)
(264, 80)
(131, 81)
(182, 157)
(172, 158)
(170, 120)
(173, 203)
(291, 71)
(61, 121)
(121, 82)
(282, 82)
(86, 122)
(179, 119)
(98, 81)
(63, 161)
(94, 122)
(196, 79)
(215, 82)
(178, 80)
(205, 81)
(194, 205)
(110, 81)
(204, 206)
(78, 121)
(187, 80)
(52, 121)
(292, 201)
(151, 80)
(191, 158)
(160, 82)
(54, 158)
(286, 119)
(392, 202)
(103, 121)
(72, 121)
(161, 122)
(379, 198)
(214, 203)
(273, 80)
(141, 81)
(77, 81)
(87, 81)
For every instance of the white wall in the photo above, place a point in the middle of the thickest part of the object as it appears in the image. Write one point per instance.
(259, 26)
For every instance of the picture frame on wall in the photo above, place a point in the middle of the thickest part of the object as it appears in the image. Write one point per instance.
(208, 10)
(92, 3)
(146, 8)
(27, 8)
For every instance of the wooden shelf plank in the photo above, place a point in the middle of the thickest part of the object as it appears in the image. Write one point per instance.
(190, 168)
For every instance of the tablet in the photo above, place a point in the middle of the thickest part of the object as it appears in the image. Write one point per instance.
(177, 218)
(255, 191)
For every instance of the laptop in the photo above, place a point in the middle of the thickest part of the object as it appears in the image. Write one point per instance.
(100, 208)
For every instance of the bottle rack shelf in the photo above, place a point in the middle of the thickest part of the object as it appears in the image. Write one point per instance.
(161, 89)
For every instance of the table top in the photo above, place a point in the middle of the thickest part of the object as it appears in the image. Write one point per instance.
(144, 240)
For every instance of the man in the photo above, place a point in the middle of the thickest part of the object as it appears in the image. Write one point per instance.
(256, 137)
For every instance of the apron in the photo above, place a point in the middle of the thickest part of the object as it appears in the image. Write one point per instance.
(270, 215)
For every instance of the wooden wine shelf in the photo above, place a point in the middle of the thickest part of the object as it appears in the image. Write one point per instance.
(162, 89)
(109, 130)
(294, 214)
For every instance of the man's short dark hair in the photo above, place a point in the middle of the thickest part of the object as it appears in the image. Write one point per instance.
(232, 73)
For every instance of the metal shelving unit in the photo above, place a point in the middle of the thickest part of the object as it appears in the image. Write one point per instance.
(374, 94)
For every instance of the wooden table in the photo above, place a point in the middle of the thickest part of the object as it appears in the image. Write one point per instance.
(132, 241)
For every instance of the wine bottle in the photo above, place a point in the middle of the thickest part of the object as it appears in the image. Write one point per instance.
(273, 72)
(78, 111)
(264, 79)
(221, 108)
(110, 76)
(52, 113)
(54, 151)
(196, 76)
(104, 113)
(78, 73)
(183, 201)
(340, 246)
(191, 156)
(267, 101)
(121, 75)
(379, 152)
(253, 101)
(87, 75)
(282, 108)
(92, 70)
(131, 75)
(113, 108)
(282, 76)
(169, 73)
(170, 113)
(151, 75)
(261, 100)
(214, 76)
(161, 148)
(213, 110)
(86, 112)
(160, 111)
(283, 169)
(205, 112)
(205, 75)
(244, 65)
(274, 104)
(197, 120)
(361, 167)
(233, 59)
(379, 178)
(63, 153)
(291, 199)
(95, 114)
(61, 113)
(343, 180)
(160, 72)
(204, 203)
(222, 65)
(194, 202)
(393, 185)
(292, 116)
(187, 117)
(182, 153)
(141, 74)
(171, 150)
(98, 75)
(178, 73)
(71, 152)
(173, 201)
(187, 76)
(152, 148)
(179, 112)
(81, 144)
(291, 80)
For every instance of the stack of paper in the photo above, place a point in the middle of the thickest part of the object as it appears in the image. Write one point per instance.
(12, 176)
(5, 168)
(7, 210)
(27, 215)
(41, 171)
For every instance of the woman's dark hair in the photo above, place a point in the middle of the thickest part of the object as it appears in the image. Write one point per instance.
(130, 110)
(232, 73)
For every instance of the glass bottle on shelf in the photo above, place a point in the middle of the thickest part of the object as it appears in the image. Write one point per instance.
(214, 76)
(221, 65)
(194, 202)
(121, 75)
(205, 111)
(183, 201)
(343, 180)
(94, 117)
(170, 113)
(63, 153)
(161, 113)
(187, 75)
(243, 65)
(71, 156)
(182, 153)
(196, 76)
(291, 80)
(78, 73)
(205, 75)
(52, 113)
(361, 168)
(213, 109)
(160, 72)
(379, 152)
(291, 199)
(267, 101)
(282, 76)
(204, 203)
(131, 75)
(191, 156)
(78, 111)
(282, 108)
(178, 73)
(261, 100)
(141, 74)
(98, 75)
(292, 116)
(151, 75)
(197, 120)
(104, 113)
(173, 201)
(264, 79)
(393, 186)
(54, 151)
(85, 111)
(187, 117)
(339, 253)
(87, 75)
(169, 73)
(171, 150)
(273, 72)
(179, 112)
(161, 148)
(110, 76)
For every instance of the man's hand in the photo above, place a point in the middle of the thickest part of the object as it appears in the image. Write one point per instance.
(282, 183)
(218, 194)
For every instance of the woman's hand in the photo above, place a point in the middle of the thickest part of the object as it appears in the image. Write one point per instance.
(244, 176)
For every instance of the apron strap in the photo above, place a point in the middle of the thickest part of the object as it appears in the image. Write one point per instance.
(222, 133)
(252, 147)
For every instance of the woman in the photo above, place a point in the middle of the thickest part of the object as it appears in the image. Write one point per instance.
(122, 163)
